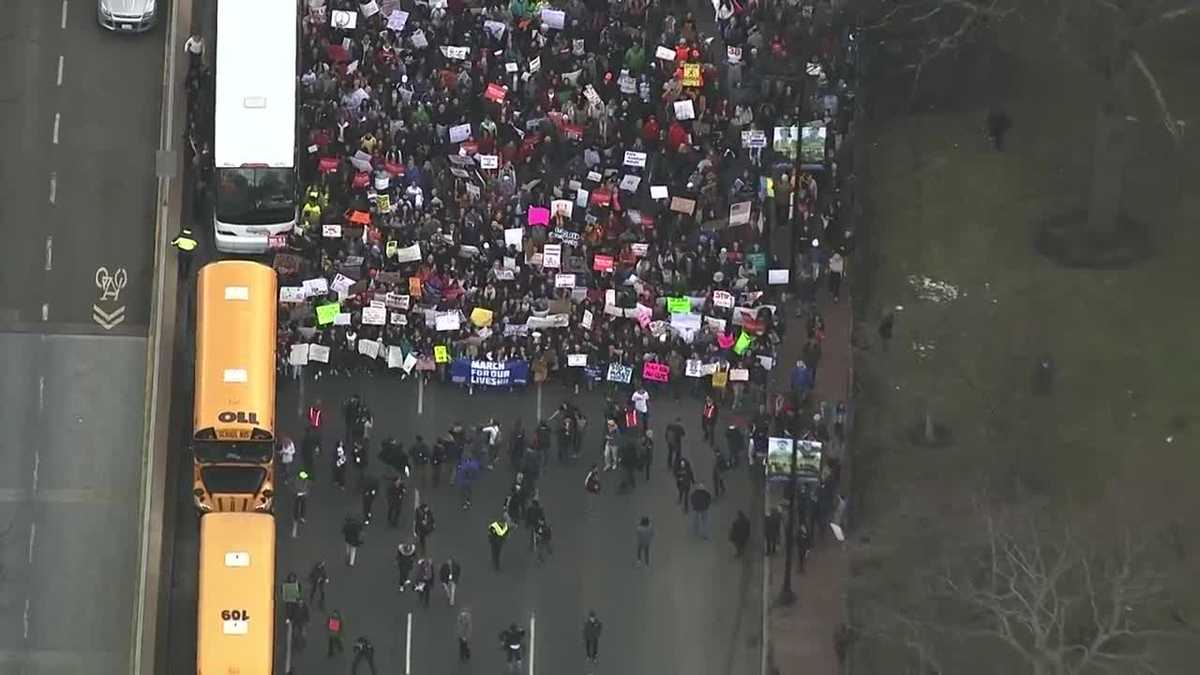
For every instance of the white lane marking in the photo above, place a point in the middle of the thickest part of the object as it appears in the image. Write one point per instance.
(53, 186)
(41, 393)
(49, 253)
(60, 70)
(32, 537)
(539, 401)
(532, 640)
(26, 618)
(64, 14)
(57, 119)
(45, 311)
(408, 647)
(37, 464)
(416, 505)
(420, 394)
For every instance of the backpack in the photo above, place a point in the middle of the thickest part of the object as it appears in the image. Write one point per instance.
(335, 624)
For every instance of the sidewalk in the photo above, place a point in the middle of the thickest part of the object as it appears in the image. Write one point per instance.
(802, 635)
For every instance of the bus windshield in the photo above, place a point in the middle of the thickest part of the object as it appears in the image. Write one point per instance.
(255, 196)
(249, 452)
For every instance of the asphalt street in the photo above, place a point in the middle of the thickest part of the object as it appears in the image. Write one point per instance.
(80, 115)
(697, 610)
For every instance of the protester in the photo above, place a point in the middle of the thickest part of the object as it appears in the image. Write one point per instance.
(645, 534)
(591, 636)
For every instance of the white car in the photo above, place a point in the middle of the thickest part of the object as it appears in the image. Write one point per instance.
(126, 16)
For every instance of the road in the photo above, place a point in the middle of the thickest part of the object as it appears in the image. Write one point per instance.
(697, 610)
(80, 113)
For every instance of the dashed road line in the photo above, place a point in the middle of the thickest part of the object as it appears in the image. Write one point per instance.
(26, 618)
(49, 252)
(60, 71)
(53, 186)
(57, 119)
(41, 393)
(45, 311)
(32, 538)
(37, 463)
(64, 14)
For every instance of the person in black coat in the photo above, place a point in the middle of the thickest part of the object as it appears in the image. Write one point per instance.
(739, 533)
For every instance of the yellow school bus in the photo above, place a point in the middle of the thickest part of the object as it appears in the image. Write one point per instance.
(235, 627)
(233, 432)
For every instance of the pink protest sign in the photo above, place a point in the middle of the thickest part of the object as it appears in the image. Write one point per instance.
(724, 341)
(656, 372)
(539, 215)
(602, 263)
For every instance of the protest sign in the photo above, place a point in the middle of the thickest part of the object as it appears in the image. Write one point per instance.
(552, 256)
(513, 236)
(374, 316)
(341, 285)
(395, 357)
(656, 372)
(495, 28)
(664, 53)
(619, 373)
(342, 319)
(678, 305)
(739, 375)
(564, 206)
(343, 20)
(554, 18)
(396, 301)
(602, 263)
(684, 110)
(414, 286)
(686, 321)
(489, 161)
(489, 373)
(398, 319)
(369, 348)
(633, 158)
(318, 353)
(630, 183)
(456, 53)
(481, 317)
(733, 54)
(292, 294)
(576, 360)
(723, 299)
(639, 250)
(691, 75)
(588, 317)
(535, 64)
(315, 287)
(460, 133)
(369, 8)
(409, 254)
(720, 378)
(441, 354)
(743, 343)
(298, 356)
(739, 213)
(758, 260)
(755, 138)
(327, 313)
(447, 321)
(659, 192)
(682, 205)
(693, 368)
(397, 19)
(331, 231)
(539, 215)
(564, 281)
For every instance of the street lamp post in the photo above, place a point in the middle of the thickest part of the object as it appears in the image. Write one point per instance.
(786, 595)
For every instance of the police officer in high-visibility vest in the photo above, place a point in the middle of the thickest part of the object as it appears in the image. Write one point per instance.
(497, 534)
(186, 244)
(311, 213)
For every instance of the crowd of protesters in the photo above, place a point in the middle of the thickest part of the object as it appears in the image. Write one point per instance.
(521, 183)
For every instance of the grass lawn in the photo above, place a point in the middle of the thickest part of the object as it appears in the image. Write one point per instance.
(1119, 430)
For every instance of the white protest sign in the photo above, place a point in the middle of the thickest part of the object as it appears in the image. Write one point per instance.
(343, 20)
(563, 206)
(342, 319)
(374, 316)
(659, 192)
(460, 133)
(369, 348)
(693, 368)
(684, 110)
(341, 285)
(733, 54)
(397, 19)
(564, 281)
(664, 53)
(723, 299)
(511, 67)
(419, 40)
(409, 362)
(447, 321)
(777, 277)
(512, 237)
(552, 256)
(619, 373)
(298, 356)
(576, 360)
(535, 64)
(331, 231)
(587, 319)
(739, 375)
(630, 183)
(554, 18)
(687, 321)
(639, 249)
(315, 287)
(409, 253)
(292, 294)
(318, 353)
(398, 319)
(395, 356)
(456, 53)
(496, 28)
(489, 161)
(739, 213)
(369, 9)
(637, 159)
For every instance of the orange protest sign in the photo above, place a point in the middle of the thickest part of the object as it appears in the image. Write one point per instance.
(414, 286)
(691, 75)
(360, 217)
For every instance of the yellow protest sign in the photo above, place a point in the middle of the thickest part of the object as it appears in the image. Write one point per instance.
(481, 317)
(441, 354)
(720, 378)
(327, 313)
(384, 203)
(691, 75)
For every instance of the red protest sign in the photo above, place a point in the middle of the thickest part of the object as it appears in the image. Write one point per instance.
(327, 164)
(495, 93)
(394, 168)
(656, 372)
(361, 179)
(601, 197)
(360, 217)
(602, 263)
(573, 131)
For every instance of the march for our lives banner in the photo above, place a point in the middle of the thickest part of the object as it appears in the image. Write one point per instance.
(489, 373)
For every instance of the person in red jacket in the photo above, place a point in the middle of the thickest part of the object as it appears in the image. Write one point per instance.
(708, 419)
(677, 135)
(651, 130)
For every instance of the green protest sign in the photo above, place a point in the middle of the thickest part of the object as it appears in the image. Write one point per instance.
(327, 313)
(743, 343)
(678, 305)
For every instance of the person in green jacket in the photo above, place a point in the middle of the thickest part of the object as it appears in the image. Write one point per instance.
(635, 58)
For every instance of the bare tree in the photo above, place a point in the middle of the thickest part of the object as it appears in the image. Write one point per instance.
(1043, 597)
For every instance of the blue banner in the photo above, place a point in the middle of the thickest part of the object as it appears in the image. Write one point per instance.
(489, 373)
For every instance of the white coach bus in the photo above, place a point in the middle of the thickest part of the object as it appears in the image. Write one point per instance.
(254, 145)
